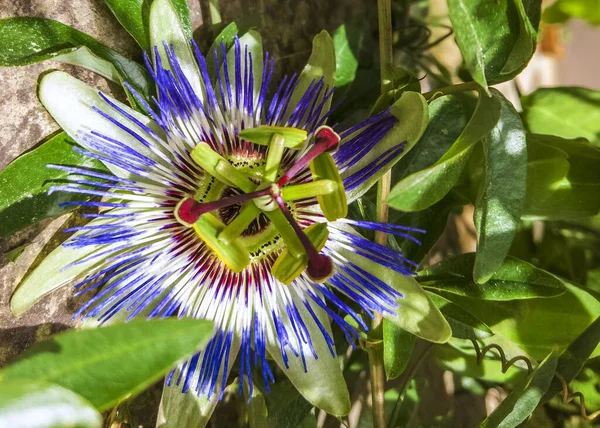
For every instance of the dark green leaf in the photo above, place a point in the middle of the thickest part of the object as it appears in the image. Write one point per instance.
(496, 38)
(286, 407)
(464, 325)
(537, 326)
(345, 59)
(573, 358)
(29, 40)
(568, 112)
(563, 178)
(398, 345)
(562, 10)
(106, 365)
(501, 191)
(24, 184)
(132, 15)
(427, 186)
(514, 279)
(402, 81)
(523, 400)
(25, 403)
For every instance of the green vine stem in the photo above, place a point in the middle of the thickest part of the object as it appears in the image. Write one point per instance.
(452, 89)
(377, 370)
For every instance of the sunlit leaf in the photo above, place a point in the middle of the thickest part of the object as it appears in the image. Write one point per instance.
(427, 186)
(501, 191)
(29, 403)
(522, 401)
(25, 182)
(497, 39)
(106, 365)
(514, 279)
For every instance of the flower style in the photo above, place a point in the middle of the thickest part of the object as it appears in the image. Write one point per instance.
(228, 204)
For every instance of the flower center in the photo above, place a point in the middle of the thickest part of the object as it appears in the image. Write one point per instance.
(249, 206)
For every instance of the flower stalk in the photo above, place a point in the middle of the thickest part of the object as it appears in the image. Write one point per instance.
(376, 366)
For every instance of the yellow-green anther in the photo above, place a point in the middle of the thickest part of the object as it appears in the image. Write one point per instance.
(287, 232)
(234, 229)
(294, 137)
(217, 166)
(233, 254)
(274, 156)
(334, 205)
(287, 267)
(226, 171)
(308, 190)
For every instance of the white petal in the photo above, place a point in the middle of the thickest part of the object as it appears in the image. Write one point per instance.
(412, 113)
(323, 383)
(49, 274)
(253, 42)
(165, 27)
(416, 313)
(70, 103)
(190, 410)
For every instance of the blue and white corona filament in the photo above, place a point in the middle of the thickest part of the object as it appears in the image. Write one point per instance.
(227, 204)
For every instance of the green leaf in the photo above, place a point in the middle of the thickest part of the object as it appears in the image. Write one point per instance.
(514, 279)
(24, 184)
(108, 364)
(562, 10)
(354, 47)
(568, 112)
(413, 116)
(132, 15)
(446, 121)
(286, 408)
(563, 178)
(424, 188)
(25, 403)
(398, 345)
(464, 325)
(537, 326)
(345, 59)
(497, 39)
(501, 191)
(523, 400)
(29, 40)
(572, 360)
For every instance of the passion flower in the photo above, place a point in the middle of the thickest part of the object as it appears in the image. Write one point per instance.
(229, 204)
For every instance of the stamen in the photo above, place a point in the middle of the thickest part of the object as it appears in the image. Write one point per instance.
(326, 140)
(320, 266)
(188, 210)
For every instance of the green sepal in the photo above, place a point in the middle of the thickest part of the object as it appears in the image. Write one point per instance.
(334, 205)
(217, 166)
(294, 137)
(287, 267)
(308, 190)
(233, 254)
